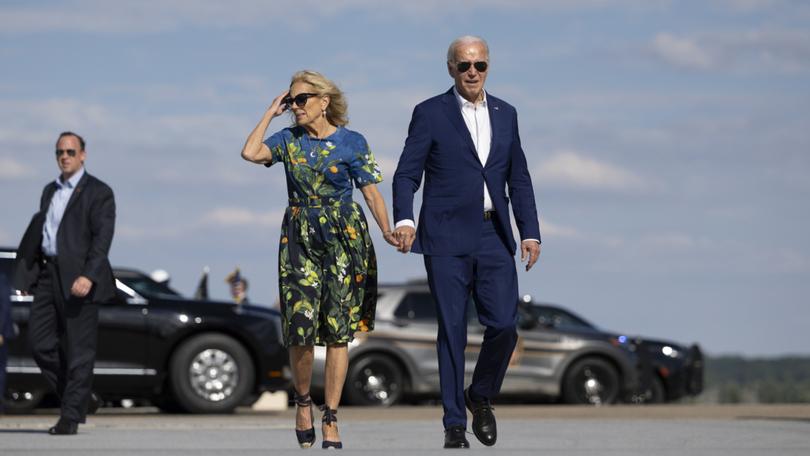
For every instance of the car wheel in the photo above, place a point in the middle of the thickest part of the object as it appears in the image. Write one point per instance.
(374, 380)
(591, 381)
(19, 402)
(211, 373)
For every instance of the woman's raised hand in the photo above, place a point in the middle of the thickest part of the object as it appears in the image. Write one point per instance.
(277, 107)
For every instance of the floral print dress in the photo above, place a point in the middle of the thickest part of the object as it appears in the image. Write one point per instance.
(327, 267)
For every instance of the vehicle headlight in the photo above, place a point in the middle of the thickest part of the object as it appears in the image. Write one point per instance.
(671, 352)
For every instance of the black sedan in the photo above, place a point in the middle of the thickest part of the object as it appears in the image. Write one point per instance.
(181, 354)
(670, 371)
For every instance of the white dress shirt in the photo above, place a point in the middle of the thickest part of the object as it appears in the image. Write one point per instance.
(56, 210)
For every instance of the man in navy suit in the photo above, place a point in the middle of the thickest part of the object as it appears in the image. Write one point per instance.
(466, 144)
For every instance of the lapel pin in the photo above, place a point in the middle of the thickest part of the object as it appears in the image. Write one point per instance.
(495, 108)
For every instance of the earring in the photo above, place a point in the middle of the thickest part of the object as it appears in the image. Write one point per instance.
(323, 112)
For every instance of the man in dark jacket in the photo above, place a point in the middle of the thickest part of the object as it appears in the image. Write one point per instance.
(62, 260)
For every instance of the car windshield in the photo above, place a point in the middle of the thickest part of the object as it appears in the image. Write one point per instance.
(145, 286)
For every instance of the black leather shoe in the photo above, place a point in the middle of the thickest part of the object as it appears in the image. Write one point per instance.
(64, 427)
(454, 437)
(483, 423)
(93, 404)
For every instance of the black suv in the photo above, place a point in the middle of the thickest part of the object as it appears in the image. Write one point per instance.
(181, 354)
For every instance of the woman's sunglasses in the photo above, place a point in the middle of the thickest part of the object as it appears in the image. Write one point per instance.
(300, 100)
(463, 67)
(70, 152)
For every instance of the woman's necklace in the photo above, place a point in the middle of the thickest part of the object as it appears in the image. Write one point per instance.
(314, 149)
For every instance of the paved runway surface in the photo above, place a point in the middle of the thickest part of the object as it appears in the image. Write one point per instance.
(539, 430)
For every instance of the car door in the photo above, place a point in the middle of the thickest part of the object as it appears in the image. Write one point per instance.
(416, 316)
(120, 368)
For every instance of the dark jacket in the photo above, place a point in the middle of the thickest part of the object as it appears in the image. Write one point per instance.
(6, 325)
(83, 240)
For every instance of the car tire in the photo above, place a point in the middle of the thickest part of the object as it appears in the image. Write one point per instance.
(374, 380)
(211, 373)
(21, 402)
(592, 381)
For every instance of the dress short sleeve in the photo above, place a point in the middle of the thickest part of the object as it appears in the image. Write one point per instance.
(363, 168)
(276, 144)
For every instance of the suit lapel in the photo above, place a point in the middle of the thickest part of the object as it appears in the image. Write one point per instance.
(453, 112)
(76, 192)
(46, 197)
(494, 109)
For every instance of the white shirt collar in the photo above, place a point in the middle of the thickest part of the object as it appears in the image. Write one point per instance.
(73, 181)
(464, 102)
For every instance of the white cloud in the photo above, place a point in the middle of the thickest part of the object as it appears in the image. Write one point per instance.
(239, 216)
(763, 50)
(98, 16)
(10, 168)
(681, 51)
(571, 169)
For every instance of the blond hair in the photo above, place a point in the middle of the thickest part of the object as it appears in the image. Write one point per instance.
(337, 111)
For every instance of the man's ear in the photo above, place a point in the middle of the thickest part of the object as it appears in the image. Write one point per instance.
(450, 69)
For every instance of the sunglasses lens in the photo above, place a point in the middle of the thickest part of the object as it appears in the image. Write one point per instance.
(70, 152)
(463, 66)
(481, 66)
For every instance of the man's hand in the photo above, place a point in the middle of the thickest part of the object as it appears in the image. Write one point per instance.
(405, 235)
(530, 249)
(81, 287)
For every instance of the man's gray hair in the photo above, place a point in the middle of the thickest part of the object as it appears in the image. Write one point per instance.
(466, 39)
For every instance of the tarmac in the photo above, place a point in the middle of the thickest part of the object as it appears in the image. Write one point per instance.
(407, 430)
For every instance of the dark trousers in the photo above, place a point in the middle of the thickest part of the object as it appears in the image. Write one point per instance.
(490, 275)
(3, 361)
(63, 339)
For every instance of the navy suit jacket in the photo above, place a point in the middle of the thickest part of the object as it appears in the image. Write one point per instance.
(440, 147)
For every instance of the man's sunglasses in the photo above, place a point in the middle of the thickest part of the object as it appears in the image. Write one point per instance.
(300, 100)
(70, 152)
(463, 67)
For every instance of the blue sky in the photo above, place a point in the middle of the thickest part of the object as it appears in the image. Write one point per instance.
(669, 141)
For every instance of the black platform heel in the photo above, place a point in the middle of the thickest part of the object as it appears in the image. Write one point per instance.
(329, 418)
(306, 438)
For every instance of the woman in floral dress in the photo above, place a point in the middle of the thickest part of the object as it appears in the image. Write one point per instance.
(327, 266)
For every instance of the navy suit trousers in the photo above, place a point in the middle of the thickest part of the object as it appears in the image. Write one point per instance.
(490, 275)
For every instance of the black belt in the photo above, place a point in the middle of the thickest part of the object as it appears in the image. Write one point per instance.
(489, 215)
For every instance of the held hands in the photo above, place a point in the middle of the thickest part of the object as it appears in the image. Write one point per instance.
(405, 235)
(391, 239)
(277, 107)
(530, 249)
(81, 287)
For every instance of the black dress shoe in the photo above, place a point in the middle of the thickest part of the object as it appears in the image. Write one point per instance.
(64, 427)
(483, 423)
(454, 437)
